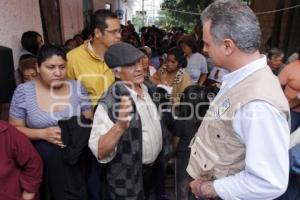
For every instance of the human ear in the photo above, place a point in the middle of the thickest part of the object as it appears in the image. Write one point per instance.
(98, 33)
(117, 74)
(229, 46)
(37, 68)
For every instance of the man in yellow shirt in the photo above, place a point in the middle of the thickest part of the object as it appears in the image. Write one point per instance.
(86, 62)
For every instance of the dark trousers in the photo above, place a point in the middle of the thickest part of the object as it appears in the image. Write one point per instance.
(148, 181)
(93, 178)
(154, 179)
(295, 120)
(182, 178)
(293, 190)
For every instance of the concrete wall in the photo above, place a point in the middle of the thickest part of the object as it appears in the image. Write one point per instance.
(266, 20)
(101, 4)
(125, 5)
(17, 17)
(71, 13)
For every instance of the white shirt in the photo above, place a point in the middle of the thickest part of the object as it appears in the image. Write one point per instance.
(151, 128)
(196, 65)
(265, 133)
(217, 74)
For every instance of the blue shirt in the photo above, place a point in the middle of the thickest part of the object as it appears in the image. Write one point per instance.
(24, 106)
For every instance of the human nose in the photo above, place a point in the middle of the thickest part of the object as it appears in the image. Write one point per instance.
(57, 71)
(118, 35)
(205, 50)
(139, 66)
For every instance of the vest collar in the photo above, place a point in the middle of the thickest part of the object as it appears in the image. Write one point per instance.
(233, 78)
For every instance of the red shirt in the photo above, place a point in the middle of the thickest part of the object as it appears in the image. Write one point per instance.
(20, 164)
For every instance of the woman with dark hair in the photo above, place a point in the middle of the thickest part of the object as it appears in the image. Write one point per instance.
(196, 62)
(27, 69)
(38, 105)
(31, 42)
(172, 76)
(149, 69)
(193, 106)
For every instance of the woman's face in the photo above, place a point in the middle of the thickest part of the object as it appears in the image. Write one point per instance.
(172, 63)
(29, 74)
(145, 63)
(53, 71)
(40, 41)
(186, 49)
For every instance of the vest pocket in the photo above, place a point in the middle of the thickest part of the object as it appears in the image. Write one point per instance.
(228, 147)
(202, 160)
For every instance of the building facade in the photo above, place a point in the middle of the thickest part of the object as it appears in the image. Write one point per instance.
(55, 20)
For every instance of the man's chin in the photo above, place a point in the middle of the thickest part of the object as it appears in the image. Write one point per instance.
(138, 81)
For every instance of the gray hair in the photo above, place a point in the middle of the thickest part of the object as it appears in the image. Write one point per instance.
(233, 20)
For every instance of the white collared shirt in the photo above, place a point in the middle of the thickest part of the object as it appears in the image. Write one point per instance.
(151, 127)
(266, 137)
(221, 73)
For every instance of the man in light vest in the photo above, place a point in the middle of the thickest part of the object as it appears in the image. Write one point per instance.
(241, 148)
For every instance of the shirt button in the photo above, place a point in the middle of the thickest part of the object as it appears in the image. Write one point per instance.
(195, 153)
(205, 165)
(218, 136)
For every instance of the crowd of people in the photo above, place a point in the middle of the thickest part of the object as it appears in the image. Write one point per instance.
(102, 117)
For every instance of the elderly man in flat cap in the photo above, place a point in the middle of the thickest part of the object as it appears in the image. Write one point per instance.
(127, 135)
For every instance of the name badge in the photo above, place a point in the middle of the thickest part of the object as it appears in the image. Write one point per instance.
(221, 110)
(224, 107)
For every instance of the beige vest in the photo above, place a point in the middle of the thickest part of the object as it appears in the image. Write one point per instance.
(216, 150)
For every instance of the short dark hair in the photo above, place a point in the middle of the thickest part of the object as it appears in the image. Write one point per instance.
(298, 51)
(144, 51)
(69, 41)
(86, 33)
(49, 50)
(233, 20)
(28, 63)
(29, 41)
(99, 19)
(25, 64)
(189, 41)
(179, 56)
(275, 53)
(194, 95)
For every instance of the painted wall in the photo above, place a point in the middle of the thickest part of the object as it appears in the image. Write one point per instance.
(99, 4)
(17, 17)
(125, 5)
(71, 13)
(266, 21)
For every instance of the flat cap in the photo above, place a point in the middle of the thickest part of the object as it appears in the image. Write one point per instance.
(122, 54)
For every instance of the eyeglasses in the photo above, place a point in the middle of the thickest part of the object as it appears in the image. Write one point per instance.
(114, 32)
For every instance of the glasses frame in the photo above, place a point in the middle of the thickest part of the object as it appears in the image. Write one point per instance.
(114, 32)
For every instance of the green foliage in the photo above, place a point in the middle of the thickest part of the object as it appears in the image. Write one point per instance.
(170, 19)
(137, 22)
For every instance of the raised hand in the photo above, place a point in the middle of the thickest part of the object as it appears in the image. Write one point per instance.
(125, 109)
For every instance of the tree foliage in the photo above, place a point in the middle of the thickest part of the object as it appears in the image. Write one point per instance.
(187, 21)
